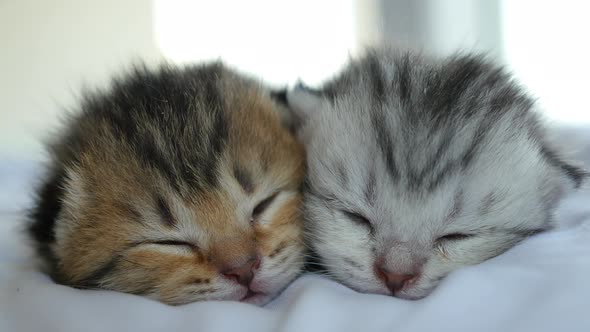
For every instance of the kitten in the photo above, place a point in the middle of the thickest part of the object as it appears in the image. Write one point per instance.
(419, 166)
(179, 184)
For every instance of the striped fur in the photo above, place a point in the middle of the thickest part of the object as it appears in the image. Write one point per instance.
(418, 166)
(155, 188)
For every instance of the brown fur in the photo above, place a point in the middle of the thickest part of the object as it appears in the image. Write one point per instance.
(108, 227)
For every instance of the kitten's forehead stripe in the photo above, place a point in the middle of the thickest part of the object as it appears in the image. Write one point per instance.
(476, 143)
(377, 82)
(450, 168)
(128, 210)
(457, 208)
(441, 150)
(487, 203)
(453, 166)
(164, 210)
(370, 190)
(403, 78)
(149, 153)
(459, 74)
(244, 179)
(454, 94)
(385, 143)
(342, 175)
(209, 80)
(177, 103)
(217, 140)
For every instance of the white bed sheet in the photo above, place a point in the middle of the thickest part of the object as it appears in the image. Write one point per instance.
(543, 284)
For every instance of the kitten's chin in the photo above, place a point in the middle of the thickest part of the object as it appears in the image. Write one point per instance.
(247, 295)
(372, 289)
(260, 293)
(415, 293)
(408, 294)
(256, 298)
(412, 297)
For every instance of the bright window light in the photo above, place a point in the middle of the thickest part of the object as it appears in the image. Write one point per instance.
(279, 41)
(546, 44)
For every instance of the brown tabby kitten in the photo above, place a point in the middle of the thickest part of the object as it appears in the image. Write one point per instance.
(179, 184)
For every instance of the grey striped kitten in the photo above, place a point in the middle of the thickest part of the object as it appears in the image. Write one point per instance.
(419, 166)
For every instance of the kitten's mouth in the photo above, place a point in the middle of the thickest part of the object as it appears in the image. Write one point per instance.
(251, 295)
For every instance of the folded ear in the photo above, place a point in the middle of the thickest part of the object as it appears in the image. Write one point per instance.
(554, 150)
(304, 101)
(297, 104)
(578, 175)
(286, 115)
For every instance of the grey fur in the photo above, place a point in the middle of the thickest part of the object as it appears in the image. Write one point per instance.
(446, 160)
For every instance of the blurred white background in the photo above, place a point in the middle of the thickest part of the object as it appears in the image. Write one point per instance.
(50, 49)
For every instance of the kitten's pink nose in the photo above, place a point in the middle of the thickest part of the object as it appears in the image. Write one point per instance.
(243, 273)
(395, 281)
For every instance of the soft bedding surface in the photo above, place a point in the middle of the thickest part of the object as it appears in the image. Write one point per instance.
(543, 284)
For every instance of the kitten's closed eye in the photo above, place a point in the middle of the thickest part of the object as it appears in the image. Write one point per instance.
(453, 237)
(262, 206)
(173, 243)
(359, 219)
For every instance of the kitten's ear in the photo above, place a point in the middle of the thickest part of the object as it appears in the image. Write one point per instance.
(557, 153)
(297, 105)
(304, 101)
(578, 175)
(286, 116)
